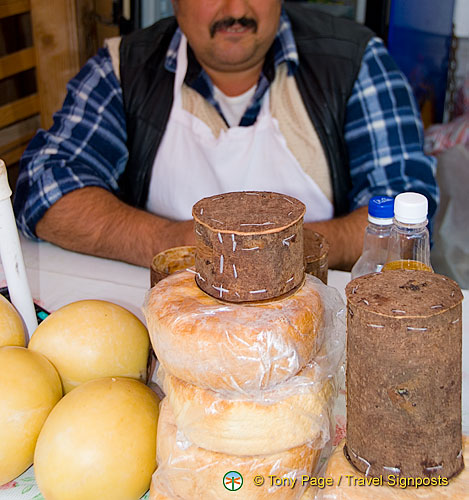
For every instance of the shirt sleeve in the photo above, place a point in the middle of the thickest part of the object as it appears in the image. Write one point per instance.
(86, 145)
(384, 134)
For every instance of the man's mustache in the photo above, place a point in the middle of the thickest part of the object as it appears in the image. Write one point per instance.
(228, 22)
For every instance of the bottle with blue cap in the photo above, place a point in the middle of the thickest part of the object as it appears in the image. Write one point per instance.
(409, 242)
(377, 233)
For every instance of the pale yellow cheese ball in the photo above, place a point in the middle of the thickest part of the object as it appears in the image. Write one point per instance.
(99, 442)
(11, 326)
(91, 339)
(29, 388)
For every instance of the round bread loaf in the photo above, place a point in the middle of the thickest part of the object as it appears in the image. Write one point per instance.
(232, 347)
(192, 472)
(249, 245)
(347, 489)
(287, 416)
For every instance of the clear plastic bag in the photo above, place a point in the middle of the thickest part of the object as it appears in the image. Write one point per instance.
(273, 421)
(190, 472)
(252, 423)
(242, 348)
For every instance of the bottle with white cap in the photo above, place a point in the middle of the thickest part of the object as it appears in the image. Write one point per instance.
(375, 241)
(409, 242)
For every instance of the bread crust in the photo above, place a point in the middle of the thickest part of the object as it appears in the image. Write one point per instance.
(290, 415)
(188, 471)
(239, 348)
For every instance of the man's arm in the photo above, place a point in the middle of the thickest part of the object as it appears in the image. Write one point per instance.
(109, 228)
(345, 237)
(384, 136)
(92, 220)
(86, 145)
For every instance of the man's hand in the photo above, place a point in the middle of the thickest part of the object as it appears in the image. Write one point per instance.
(345, 237)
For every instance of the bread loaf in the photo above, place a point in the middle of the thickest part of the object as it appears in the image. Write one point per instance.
(192, 472)
(287, 416)
(232, 347)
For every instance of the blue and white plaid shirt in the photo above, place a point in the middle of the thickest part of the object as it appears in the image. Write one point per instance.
(86, 145)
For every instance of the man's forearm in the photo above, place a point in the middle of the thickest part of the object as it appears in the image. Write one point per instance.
(94, 221)
(345, 237)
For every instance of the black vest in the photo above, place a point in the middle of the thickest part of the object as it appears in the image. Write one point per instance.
(330, 51)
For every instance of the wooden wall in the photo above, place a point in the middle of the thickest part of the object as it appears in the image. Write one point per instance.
(42, 45)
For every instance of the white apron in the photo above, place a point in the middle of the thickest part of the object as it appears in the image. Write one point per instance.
(191, 163)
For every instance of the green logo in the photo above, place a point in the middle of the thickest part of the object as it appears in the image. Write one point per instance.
(233, 481)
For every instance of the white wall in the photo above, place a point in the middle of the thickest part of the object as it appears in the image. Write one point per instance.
(461, 18)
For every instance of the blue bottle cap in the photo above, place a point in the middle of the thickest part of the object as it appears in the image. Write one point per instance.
(381, 207)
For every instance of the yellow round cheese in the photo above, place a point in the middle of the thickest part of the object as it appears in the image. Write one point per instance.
(99, 442)
(91, 339)
(11, 326)
(29, 388)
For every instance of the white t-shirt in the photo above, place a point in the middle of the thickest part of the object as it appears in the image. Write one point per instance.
(233, 108)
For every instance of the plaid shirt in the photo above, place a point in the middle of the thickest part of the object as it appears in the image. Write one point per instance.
(86, 145)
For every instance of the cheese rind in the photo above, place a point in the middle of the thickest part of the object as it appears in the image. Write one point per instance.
(404, 345)
(29, 388)
(189, 471)
(249, 245)
(11, 326)
(100, 438)
(90, 339)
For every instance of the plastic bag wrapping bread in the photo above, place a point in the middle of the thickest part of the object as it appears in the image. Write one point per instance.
(187, 471)
(241, 348)
(348, 484)
(158, 493)
(275, 420)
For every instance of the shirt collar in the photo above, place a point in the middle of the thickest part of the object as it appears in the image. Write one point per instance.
(283, 50)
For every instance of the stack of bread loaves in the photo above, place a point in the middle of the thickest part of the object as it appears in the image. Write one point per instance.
(248, 350)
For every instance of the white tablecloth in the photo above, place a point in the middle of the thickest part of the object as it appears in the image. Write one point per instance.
(58, 277)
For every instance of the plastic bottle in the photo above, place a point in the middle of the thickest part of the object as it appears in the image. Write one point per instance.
(375, 242)
(409, 242)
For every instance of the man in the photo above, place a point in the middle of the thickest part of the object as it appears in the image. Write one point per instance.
(265, 96)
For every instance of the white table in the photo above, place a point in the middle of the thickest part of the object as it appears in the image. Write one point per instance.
(58, 277)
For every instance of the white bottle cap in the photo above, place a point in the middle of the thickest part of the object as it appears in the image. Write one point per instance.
(410, 208)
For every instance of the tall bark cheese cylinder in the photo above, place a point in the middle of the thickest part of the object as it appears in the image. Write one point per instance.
(249, 245)
(404, 349)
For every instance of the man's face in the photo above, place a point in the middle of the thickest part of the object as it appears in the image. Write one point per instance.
(229, 35)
